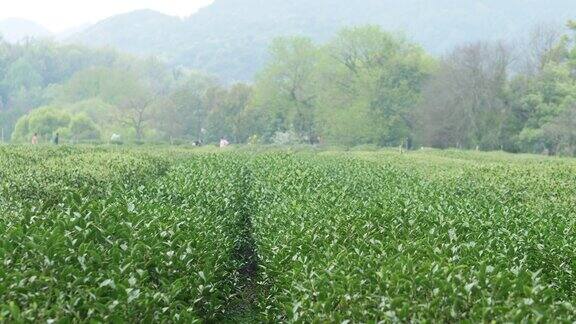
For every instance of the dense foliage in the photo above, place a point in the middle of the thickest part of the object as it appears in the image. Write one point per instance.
(381, 241)
(115, 235)
(88, 95)
(367, 86)
(364, 86)
(163, 235)
(357, 89)
(30, 75)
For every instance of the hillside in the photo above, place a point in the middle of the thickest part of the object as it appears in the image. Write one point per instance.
(140, 32)
(230, 37)
(14, 30)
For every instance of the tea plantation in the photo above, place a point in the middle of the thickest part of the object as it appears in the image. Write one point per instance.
(180, 236)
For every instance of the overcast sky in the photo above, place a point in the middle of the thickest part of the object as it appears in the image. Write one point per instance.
(59, 15)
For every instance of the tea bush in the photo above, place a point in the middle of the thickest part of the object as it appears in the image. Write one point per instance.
(159, 235)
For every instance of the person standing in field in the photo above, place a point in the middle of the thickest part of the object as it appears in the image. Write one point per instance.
(35, 139)
(56, 139)
(224, 142)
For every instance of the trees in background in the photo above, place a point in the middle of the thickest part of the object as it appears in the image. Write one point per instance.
(371, 79)
(44, 121)
(543, 99)
(47, 121)
(537, 101)
(494, 96)
(364, 86)
(286, 90)
(546, 44)
(226, 113)
(107, 93)
(201, 109)
(359, 88)
(182, 114)
(30, 72)
(465, 104)
(82, 128)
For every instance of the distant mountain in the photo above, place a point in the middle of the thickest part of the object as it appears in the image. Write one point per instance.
(141, 32)
(15, 29)
(230, 37)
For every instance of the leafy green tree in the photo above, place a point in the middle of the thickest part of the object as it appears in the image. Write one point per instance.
(22, 75)
(44, 121)
(96, 109)
(561, 132)
(108, 84)
(374, 78)
(286, 88)
(183, 112)
(538, 100)
(128, 91)
(225, 107)
(82, 128)
(361, 87)
(31, 73)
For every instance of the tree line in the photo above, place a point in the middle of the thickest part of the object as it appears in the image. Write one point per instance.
(363, 87)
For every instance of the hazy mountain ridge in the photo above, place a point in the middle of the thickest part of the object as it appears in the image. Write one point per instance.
(230, 37)
(15, 29)
(140, 32)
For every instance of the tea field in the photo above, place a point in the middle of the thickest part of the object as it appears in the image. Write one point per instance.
(92, 234)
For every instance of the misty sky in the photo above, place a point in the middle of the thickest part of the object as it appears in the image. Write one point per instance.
(59, 15)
